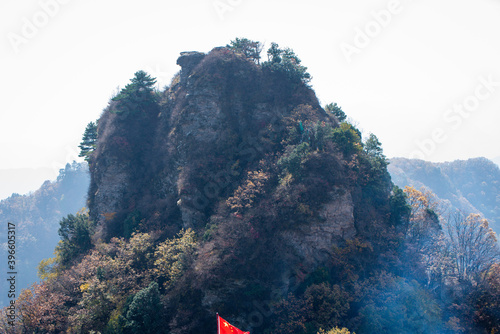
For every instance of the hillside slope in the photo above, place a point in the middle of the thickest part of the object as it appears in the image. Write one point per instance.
(472, 185)
(37, 216)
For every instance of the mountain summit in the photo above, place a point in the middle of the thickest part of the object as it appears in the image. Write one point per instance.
(244, 155)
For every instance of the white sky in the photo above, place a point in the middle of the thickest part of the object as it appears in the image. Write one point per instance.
(402, 86)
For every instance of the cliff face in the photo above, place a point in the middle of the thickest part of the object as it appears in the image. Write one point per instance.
(242, 156)
(221, 116)
(313, 242)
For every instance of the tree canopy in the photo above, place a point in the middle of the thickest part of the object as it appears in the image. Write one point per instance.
(286, 62)
(75, 232)
(250, 49)
(337, 111)
(89, 141)
(138, 95)
(473, 246)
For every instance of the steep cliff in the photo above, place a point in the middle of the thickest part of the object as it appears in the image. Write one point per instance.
(246, 157)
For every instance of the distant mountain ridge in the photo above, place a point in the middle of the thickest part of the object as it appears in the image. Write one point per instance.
(23, 180)
(36, 216)
(470, 185)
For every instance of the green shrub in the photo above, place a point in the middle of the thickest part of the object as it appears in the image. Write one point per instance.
(286, 63)
(143, 313)
(173, 256)
(291, 162)
(250, 49)
(347, 138)
(75, 233)
(131, 223)
(337, 111)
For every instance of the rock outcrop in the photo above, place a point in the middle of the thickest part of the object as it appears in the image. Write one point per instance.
(313, 243)
(188, 61)
(237, 152)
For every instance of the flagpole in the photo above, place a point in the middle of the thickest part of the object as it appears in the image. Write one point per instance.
(218, 324)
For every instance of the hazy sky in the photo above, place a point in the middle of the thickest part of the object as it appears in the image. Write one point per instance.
(423, 75)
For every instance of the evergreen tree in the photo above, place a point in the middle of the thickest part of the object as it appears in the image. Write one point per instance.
(337, 111)
(137, 95)
(274, 53)
(373, 147)
(89, 141)
(286, 62)
(143, 314)
(75, 233)
(251, 49)
(399, 208)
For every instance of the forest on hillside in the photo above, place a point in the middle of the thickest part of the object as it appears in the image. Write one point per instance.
(36, 217)
(233, 191)
(468, 185)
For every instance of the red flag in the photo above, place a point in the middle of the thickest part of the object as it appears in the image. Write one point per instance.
(226, 328)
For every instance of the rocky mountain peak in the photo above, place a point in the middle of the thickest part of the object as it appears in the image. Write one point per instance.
(188, 61)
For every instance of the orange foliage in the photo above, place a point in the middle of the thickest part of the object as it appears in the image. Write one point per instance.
(108, 216)
(246, 194)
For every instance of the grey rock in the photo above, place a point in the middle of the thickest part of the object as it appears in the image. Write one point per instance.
(314, 242)
(188, 61)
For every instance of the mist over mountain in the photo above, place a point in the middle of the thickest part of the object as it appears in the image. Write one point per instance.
(233, 191)
(469, 185)
(36, 216)
(23, 180)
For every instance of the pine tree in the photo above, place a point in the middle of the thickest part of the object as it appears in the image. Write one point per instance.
(251, 49)
(143, 314)
(75, 233)
(287, 63)
(337, 111)
(89, 140)
(138, 94)
(373, 147)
